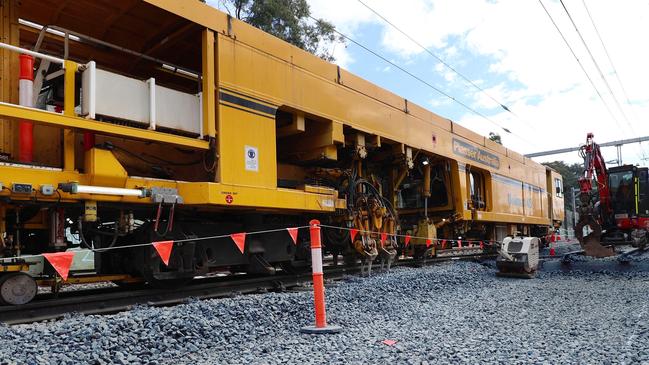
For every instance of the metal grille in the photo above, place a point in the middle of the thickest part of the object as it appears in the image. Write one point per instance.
(515, 246)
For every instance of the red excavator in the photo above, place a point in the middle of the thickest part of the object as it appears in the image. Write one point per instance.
(621, 214)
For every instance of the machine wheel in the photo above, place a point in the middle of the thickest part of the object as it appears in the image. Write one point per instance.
(17, 288)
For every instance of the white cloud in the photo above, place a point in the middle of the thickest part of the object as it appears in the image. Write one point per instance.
(528, 66)
(554, 103)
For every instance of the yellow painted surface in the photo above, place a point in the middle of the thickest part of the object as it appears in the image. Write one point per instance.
(104, 169)
(209, 84)
(239, 132)
(199, 194)
(263, 66)
(38, 116)
(262, 70)
(13, 268)
(558, 213)
(249, 196)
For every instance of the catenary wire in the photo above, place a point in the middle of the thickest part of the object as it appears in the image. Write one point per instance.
(402, 69)
(615, 73)
(446, 64)
(601, 98)
(599, 70)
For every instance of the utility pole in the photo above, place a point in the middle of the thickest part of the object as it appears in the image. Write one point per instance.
(574, 206)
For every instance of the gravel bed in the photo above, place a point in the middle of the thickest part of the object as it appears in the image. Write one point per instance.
(77, 287)
(455, 312)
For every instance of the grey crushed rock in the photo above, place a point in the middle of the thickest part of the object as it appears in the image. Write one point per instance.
(455, 312)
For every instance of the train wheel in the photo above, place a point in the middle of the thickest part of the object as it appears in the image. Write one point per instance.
(17, 288)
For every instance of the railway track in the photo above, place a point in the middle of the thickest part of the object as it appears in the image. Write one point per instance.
(113, 300)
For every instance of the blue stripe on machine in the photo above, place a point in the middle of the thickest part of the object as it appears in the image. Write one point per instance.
(230, 98)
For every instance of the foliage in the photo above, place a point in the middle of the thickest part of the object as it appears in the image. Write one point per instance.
(570, 174)
(289, 20)
(495, 137)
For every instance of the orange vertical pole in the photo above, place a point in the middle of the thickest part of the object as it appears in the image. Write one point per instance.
(318, 284)
(26, 129)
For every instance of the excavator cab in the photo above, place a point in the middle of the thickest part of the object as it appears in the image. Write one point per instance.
(623, 185)
(629, 186)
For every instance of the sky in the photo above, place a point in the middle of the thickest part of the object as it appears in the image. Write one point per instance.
(513, 55)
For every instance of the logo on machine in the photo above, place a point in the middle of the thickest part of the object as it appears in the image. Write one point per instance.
(476, 154)
(252, 158)
(229, 199)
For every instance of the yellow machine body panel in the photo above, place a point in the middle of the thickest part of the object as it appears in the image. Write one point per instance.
(249, 78)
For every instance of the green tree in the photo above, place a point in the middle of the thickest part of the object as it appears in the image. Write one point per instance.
(570, 174)
(289, 20)
(495, 137)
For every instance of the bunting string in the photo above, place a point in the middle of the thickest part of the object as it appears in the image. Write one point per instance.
(407, 237)
(61, 261)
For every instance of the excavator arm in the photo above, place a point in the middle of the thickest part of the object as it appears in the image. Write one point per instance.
(588, 229)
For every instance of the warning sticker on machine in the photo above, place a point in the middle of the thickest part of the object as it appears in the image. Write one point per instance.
(252, 158)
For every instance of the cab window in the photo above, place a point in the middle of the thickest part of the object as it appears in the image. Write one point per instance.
(558, 188)
(477, 190)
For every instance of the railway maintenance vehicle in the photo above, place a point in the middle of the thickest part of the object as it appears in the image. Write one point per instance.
(127, 122)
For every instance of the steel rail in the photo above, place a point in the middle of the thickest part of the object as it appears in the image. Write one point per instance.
(113, 300)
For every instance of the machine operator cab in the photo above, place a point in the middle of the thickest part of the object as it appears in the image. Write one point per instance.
(629, 188)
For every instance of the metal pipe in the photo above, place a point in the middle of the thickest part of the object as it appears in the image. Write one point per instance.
(31, 53)
(119, 48)
(152, 106)
(105, 190)
(74, 188)
(91, 69)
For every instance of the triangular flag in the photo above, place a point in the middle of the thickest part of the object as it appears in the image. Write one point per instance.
(428, 243)
(61, 261)
(384, 237)
(389, 342)
(459, 243)
(164, 250)
(239, 239)
(481, 245)
(353, 232)
(293, 233)
(443, 244)
(407, 240)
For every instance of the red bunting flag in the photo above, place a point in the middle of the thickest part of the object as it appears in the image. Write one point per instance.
(61, 261)
(389, 342)
(239, 239)
(428, 243)
(459, 243)
(353, 232)
(384, 237)
(443, 244)
(481, 245)
(407, 240)
(293, 233)
(164, 250)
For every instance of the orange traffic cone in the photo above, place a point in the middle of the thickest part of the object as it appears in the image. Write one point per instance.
(552, 248)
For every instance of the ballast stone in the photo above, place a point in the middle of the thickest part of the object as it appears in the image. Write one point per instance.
(455, 312)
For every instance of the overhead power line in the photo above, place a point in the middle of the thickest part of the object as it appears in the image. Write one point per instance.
(502, 105)
(617, 76)
(580, 64)
(400, 68)
(599, 70)
(607, 55)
